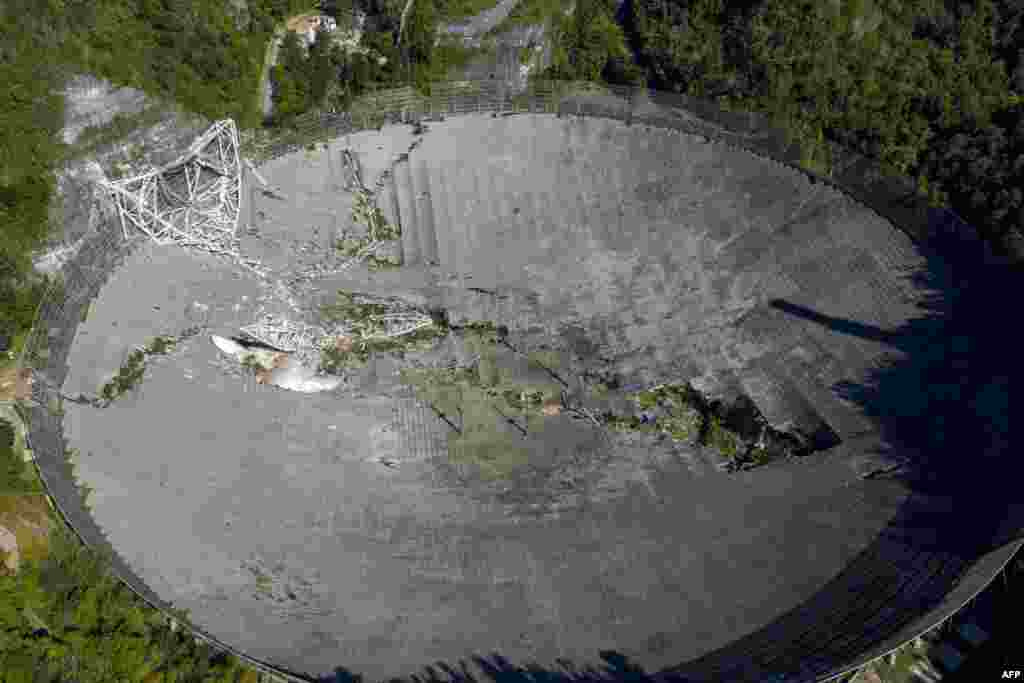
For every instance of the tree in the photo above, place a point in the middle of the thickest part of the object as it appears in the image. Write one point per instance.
(859, 68)
(323, 68)
(420, 33)
(980, 170)
(588, 44)
(291, 56)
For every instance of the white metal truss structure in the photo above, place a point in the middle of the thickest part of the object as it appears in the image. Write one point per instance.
(394, 325)
(350, 162)
(400, 319)
(306, 341)
(297, 338)
(193, 201)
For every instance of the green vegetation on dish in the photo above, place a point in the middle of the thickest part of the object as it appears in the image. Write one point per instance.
(480, 400)
(689, 419)
(130, 374)
(363, 318)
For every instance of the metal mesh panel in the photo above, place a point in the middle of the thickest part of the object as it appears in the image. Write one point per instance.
(834, 632)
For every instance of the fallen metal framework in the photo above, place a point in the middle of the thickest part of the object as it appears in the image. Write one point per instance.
(364, 211)
(300, 339)
(193, 201)
(307, 341)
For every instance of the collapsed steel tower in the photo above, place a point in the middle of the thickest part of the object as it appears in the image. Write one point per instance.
(193, 201)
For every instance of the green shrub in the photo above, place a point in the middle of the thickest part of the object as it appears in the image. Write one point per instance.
(487, 370)
(483, 327)
(647, 399)
(721, 439)
(350, 246)
(345, 308)
(374, 262)
(759, 455)
(585, 42)
(128, 376)
(624, 423)
(16, 476)
(683, 425)
(161, 345)
(21, 293)
(251, 362)
(334, 360)
(67, 614)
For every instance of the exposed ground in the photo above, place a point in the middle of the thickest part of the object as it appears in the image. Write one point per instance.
(300, 23)
(25, 515)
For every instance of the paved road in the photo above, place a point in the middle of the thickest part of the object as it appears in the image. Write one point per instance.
(270, 61)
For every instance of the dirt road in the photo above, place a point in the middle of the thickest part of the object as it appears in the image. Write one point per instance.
(297, 23)
(269, 60)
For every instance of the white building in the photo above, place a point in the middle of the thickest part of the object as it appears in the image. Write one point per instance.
(324, 22)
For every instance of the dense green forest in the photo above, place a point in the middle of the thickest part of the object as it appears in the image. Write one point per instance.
(66, 618)
(931, 88)
(589, 45)
(63, 615)
(326, 76)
